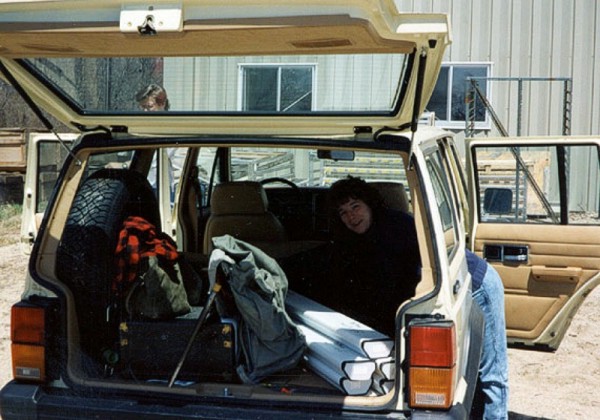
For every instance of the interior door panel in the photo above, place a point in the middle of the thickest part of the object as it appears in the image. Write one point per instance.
(561, 260)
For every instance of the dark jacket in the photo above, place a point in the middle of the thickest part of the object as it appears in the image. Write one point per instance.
(477, 267)
(375, 272)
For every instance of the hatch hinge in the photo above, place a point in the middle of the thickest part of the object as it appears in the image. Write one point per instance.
(86, 129)
(360, 129)
(363, 132)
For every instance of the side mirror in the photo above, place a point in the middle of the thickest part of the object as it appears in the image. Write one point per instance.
(497, 201)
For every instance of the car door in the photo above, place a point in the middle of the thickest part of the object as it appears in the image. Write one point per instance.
(45, 156)
(534, 217)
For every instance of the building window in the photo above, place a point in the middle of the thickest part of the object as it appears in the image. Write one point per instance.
(448, 97)
(277, 88)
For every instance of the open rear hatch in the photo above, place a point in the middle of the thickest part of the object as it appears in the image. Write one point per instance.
(354, 65)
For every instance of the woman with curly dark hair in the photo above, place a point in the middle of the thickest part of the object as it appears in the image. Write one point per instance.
(376, 254)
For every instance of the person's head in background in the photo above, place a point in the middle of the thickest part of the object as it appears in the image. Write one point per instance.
(153, 98)
(355, 202)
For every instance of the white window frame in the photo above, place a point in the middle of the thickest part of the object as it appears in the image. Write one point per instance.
(279, 66)
(441, 120)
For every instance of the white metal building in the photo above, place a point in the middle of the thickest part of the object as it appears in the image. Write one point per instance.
(529, 39)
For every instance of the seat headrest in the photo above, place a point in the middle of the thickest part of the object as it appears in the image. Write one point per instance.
(393, 194)
(243, 197)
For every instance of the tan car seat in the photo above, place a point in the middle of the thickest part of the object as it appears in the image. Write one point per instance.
(240, 209)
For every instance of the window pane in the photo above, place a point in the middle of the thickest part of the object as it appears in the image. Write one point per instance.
(522, 184)
(584, 196)
(296, 89)
(459, 84)
(507, 192)
(205, 164)
(346, 82)
(444, 202)
(51, 157)
(439, 98)
(260, 89)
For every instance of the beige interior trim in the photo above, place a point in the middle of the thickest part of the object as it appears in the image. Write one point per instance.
(304, 35)
(561, 260)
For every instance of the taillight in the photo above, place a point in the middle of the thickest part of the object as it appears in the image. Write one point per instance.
(432, 364)
(28, 324)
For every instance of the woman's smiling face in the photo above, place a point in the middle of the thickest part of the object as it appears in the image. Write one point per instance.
(356, 215)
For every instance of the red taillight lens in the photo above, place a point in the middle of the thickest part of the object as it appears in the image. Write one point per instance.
(433, 345)
(432, 364)
(27, 333)
(27, 324)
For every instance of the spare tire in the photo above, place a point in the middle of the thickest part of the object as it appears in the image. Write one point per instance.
(85, 257)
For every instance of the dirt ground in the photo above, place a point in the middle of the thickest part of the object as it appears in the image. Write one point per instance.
(560, 385)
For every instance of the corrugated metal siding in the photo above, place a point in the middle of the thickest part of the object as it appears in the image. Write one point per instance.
(530, 38)
(213, 84)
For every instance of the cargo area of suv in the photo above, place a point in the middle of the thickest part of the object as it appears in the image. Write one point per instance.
(280, 212)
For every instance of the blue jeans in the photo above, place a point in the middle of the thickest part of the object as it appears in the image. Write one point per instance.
(493, 368)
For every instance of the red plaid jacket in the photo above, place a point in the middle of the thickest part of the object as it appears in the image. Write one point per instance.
(138, 239)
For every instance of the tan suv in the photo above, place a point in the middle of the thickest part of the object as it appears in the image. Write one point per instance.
(269, 104)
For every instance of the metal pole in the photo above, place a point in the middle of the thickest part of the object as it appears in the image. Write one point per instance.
(203, 315)
(567, 108)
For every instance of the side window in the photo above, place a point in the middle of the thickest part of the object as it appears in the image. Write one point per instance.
(121, 159)
(255, 164)
(206, 165)
(51, 156)
(444, 200)
(546, 184)
(454, 169)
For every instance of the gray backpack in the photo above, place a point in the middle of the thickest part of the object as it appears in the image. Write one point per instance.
(270, 341)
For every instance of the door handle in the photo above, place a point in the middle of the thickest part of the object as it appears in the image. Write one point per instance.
(506, 253)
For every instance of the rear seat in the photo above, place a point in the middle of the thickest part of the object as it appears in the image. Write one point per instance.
(240, 209)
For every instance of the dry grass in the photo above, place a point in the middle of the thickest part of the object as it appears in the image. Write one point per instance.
(10, 223)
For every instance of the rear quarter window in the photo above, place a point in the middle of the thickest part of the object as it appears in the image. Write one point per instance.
(443, 197)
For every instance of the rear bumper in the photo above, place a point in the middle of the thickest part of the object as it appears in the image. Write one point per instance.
(26, 401)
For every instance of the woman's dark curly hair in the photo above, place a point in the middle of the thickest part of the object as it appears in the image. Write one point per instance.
(356, 188)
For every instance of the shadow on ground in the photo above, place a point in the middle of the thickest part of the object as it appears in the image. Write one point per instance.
(517, 416)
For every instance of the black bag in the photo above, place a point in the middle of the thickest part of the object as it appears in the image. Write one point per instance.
(151, 349)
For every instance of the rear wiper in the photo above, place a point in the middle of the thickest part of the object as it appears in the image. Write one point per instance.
(36, 110)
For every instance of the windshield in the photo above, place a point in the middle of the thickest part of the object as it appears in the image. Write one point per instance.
(270, 85)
